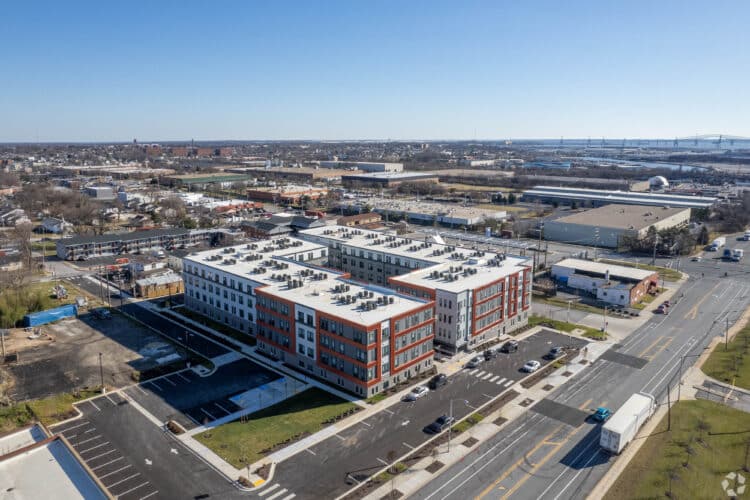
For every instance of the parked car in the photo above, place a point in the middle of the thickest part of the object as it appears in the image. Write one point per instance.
(662, 310)
(697, 259)
(101, 313)
(601, 414)
(437, 381)
(489, 354)
(666, 303)
(531, 366)
(416, 393)
(510, 346)
(555, 353)
(474, 362)
(440, 424)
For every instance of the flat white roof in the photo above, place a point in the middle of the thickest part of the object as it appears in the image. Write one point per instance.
(472, 273)
(48, 470)
(615, 271)
(322, 296)
(19, 439)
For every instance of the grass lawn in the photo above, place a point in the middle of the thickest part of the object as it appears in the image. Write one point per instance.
(242, 442)
(49, 410)
(733, 364)
(665, 453)
(563, 326)
(664, 272)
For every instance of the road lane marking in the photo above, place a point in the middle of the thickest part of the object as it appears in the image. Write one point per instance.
(693, 312)
(133, 489)
(660, 349)
(110, 486)
(598, 450)
(407, 445)
(650, 346)
(149, 495)
(508, 383)
(499, 382)
(487, 376)
(278, 494)
(289, 497)
(106, 463)
(365, 423)
(472, 372)
(116, 471)
(269, 489)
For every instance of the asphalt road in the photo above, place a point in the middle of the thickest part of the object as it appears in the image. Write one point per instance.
(362, 449)
(137, 460)
(541, 456)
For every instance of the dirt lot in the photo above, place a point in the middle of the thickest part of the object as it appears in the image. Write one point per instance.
(66, 356)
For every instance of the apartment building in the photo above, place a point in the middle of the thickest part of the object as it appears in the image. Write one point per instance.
(362, 338)
(478, 295)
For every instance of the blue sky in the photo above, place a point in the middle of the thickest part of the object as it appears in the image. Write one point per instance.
(113, 71)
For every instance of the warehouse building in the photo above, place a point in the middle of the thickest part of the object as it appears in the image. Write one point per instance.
(600, 197)
(286, 195)
(387, 179)
(608, 283)
(365, 166)
(612, 225)
(424, 212)
(85, 247)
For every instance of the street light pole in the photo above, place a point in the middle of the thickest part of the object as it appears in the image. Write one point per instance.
(567, 317)
(450, 427)
(101, 372)
(726, 335)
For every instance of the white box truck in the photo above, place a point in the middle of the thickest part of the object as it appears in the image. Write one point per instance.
(737, 254)
(622, 427)
(717, 243)
(747, 236)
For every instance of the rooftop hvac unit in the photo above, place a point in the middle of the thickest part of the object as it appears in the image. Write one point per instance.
(390, 300)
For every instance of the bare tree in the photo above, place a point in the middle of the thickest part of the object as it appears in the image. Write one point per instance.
(22, 236)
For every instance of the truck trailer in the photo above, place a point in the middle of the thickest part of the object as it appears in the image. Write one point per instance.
(622, 427)
(717, 244)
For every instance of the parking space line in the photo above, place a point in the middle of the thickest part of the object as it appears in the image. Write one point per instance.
(166, 379)
(508, 383)
(183, 377)
(110, 400)
(268, 490)
(110, 486)
(93, 448)
(149, 495)
(382, 461)
(389, 412)
(492, 380)
(278, 494)
(365, 423)
(100, 456)
(74, 427)
(311, 452)
(107, 463)
(141, 389)
(191, 418)
(209, 415)
(156, 385)
(133, 489)
(341, 438)
(116, 471)
(487, 396)
(407, 445)
(92, 404)
(89, 439)
(90, 430)
(222, 408)
(499, 382)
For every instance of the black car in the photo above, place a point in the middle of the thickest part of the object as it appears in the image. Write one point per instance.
(555, 353)
(438, 380)
(439, 425)
(489, 354)
(510, 346)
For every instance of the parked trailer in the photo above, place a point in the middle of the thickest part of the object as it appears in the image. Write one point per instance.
(50, 315)
(622, 427)
(718, 243)
(737, 254)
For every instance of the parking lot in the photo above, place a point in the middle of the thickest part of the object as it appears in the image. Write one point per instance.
(192, 400)
(362, 449)
(135, 459)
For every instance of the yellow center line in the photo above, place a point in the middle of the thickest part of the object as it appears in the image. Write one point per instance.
(651, 346)
(544, 441)
(660, 349)
(693, 312)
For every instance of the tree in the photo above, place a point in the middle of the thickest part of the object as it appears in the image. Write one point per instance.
(22, 235)
(511, 198)
(703, 427)
(703, 235)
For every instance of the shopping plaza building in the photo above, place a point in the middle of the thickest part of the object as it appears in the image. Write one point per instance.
(359, 308)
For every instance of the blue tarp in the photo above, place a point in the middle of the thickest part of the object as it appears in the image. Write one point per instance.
(50, 315)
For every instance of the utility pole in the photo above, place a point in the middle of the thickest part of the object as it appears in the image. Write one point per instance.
(726, 335)
(567, 317)
(653, 259)
(669, 408)
(101, 372)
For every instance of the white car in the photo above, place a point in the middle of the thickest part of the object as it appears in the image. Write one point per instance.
(474, 362)
(531, 366)
(417, 393)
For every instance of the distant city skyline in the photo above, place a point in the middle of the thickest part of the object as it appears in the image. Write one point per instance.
(479, 70)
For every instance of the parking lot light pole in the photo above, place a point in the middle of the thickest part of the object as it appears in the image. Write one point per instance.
(450, 414)
(101, 373)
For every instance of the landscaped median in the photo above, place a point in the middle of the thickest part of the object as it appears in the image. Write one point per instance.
(706, 445)
(251, 438)
(729, 363)
(47, 411)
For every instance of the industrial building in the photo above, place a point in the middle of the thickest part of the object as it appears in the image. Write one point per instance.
(294, 174)
(612, 225)
(279, 225)
(365, 166)
(368, 220)
(608, 283)
(424, 212)
(286, 195)
(104, 193)
(387, 179)
(600, 197)
(85, 247)
(198, 180)
(368, 319)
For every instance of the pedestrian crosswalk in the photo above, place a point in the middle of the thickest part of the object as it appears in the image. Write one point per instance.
(491, 377)
(276, 492)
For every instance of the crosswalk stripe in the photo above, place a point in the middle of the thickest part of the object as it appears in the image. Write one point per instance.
(472, 372)
(499, 382)
(289, 497)
(487, 376)
(268, 490)
(277, 494)
(479, 375)
(508, 383)
(494, 378)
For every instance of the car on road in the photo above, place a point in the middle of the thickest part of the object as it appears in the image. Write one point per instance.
(697, 258)
(474, 362)
(662, 310)
(666, 303)
(531, 366)
(490, 354)
(102, 313)
(440, 424)
(416, 393)
(555, 353)
(437, 381)
(510, 346)
(602, 414)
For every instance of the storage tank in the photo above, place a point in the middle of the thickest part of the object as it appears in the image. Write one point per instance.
(658, 182)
